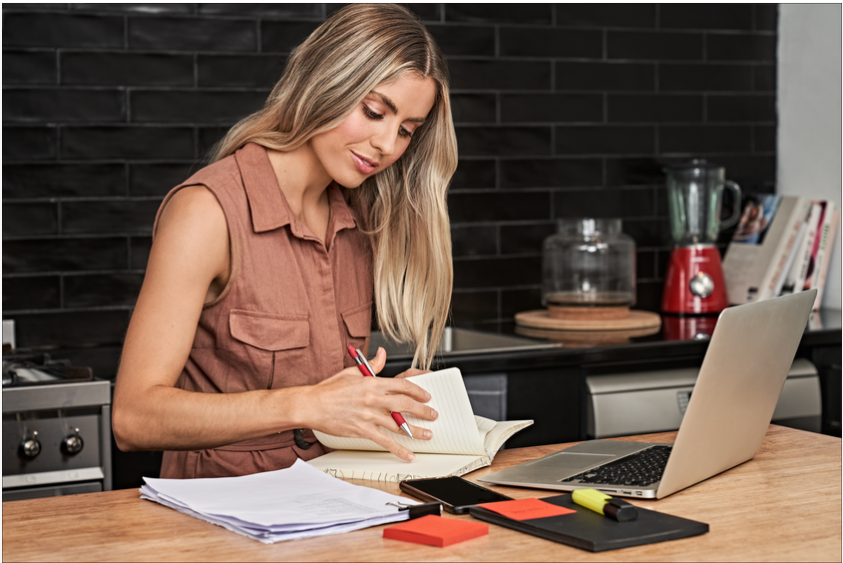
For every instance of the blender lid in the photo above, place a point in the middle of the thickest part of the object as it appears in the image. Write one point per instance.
(695, 164)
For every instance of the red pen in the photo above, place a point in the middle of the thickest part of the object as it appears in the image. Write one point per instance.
(367, 370)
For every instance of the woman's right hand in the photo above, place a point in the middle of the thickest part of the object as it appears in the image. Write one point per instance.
(353, 406)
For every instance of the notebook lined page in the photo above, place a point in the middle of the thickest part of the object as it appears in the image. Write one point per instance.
(455, 431)
(383, 466)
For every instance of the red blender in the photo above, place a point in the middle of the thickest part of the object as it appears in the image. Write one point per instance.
(695, 284)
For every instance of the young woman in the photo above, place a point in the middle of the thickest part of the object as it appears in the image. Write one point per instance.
(264, 264)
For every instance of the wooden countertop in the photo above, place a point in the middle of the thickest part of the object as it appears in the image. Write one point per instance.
(755, 512)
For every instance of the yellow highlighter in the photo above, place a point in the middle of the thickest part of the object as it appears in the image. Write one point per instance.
(602, 503)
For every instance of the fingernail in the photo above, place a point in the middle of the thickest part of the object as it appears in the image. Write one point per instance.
(435, 414)
(411, 457)
(427, 434)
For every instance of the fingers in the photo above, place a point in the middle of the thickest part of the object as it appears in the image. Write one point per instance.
(391, 445)
(379, 360)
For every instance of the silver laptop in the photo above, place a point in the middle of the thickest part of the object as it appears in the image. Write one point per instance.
(736, 392)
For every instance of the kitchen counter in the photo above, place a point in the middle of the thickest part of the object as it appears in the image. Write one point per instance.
(754, 511)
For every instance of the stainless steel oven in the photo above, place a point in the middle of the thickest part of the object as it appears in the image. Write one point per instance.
(56, 429)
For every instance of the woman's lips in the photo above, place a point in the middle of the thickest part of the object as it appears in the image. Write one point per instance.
(364, 165)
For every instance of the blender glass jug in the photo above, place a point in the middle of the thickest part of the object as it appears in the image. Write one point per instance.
(695, 196)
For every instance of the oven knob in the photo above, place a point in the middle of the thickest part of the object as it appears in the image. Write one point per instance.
(72, 444)
(30, 447)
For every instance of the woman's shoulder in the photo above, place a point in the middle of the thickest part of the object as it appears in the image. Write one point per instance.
(219, 173)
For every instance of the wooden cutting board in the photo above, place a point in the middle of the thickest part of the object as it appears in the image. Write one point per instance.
(540, 318)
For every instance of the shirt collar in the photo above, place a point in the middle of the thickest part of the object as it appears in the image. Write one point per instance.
(268, 205)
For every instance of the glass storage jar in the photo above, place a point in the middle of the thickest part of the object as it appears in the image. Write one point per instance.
(588, 263)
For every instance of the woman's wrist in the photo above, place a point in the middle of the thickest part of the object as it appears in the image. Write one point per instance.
(291, 408)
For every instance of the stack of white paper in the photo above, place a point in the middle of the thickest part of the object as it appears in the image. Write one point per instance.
(288, 504)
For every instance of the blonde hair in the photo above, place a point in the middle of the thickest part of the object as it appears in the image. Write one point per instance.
(359, 47)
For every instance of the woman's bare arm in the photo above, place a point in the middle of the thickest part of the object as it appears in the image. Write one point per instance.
(188, 264)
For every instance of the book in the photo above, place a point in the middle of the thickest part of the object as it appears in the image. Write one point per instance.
(798, 273)
(757, 257)
(462, 442)
(826, 235)
(582, 528)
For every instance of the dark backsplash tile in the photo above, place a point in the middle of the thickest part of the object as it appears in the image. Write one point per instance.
(117, 216)
(551, 172)
(525, 239)
(23, 219)
(550, 42)
(605, 139)
(704, 77)
(469, 240)
(498, 206)
(473, 108)
(552, 107)
(697, 139)
(127, 143)
(259, 71)
(62, 30)
(158, 178)
(723, 47)
(472, 174)
(188, 106)
(499, 13)
(659, 108)
(31, 292)
(63, 180)
(139, 247)
(126, 69)
(561, 110)
(28, 143)
(38, 106)
(71, 328)
(98, 290)
(192, 34)
(741, 108)
(467, 306)
(499, 74)
(706, 16)
(609, 15)
(510, 140)
(29, 67)
(605, 76)
(654, 45)
(281, 36)
(496, 272)
(464, 40)
(273, 10)
(605, 203)
(64, 254)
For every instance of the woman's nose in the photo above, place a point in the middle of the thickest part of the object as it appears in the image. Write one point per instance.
(384, 141)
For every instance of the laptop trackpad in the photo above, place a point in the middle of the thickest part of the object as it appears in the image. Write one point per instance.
(570, 463)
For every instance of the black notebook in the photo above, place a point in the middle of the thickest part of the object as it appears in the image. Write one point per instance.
(588, 530)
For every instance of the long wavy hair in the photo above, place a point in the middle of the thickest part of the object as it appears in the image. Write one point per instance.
(404, 206)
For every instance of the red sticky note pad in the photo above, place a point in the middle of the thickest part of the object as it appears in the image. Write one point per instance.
(526, 509)
(435, 530)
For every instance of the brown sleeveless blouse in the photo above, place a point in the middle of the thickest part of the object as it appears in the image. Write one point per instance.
(290, 308)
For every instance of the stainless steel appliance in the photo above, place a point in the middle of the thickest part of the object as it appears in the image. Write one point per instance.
(655, 401)
(56, 429)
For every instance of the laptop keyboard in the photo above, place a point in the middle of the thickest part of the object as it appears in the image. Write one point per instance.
(637, 470)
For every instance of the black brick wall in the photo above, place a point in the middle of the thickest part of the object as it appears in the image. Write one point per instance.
(562, 111)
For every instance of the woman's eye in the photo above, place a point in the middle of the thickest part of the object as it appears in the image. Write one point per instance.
(404, 133)
(370, 114)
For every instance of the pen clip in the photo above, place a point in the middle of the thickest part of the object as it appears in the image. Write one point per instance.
(419, 510)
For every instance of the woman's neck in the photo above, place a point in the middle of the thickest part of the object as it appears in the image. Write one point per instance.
(304, 182)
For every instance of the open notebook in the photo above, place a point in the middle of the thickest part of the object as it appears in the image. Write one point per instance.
(461, 441)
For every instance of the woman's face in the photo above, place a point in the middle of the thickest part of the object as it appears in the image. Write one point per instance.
(377, 132)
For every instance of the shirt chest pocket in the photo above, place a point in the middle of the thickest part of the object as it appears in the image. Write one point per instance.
(358, 325)
(268, 350)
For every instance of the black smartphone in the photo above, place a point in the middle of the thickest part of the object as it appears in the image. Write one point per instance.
(455, 493)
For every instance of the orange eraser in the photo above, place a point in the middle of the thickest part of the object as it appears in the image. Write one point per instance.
(435, 530)
(526, 509)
